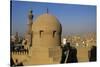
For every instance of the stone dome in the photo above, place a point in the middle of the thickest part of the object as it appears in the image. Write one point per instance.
(46, 22)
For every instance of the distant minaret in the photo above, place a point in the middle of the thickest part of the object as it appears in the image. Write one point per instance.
(16, 38)
(30, 18)
(47, 10)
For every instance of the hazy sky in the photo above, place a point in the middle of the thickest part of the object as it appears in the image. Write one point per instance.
(73, 18)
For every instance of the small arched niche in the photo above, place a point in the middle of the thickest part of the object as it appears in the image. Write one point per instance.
(41, 33)
(54, 33)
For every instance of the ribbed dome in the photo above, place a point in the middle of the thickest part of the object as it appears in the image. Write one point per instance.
(46, 22)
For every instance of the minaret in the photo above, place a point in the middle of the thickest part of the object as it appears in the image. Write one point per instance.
(30, 21)
(29, 30)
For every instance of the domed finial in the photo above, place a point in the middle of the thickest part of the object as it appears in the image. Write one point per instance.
(30, 15)
(30, 11)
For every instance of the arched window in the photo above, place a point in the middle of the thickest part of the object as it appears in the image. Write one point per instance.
(41, 32)
(54, 33)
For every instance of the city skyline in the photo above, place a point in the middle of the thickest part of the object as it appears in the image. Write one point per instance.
(73, 18)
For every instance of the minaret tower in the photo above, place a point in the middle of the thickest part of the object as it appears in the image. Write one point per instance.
(29, 30)
(30, 21)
